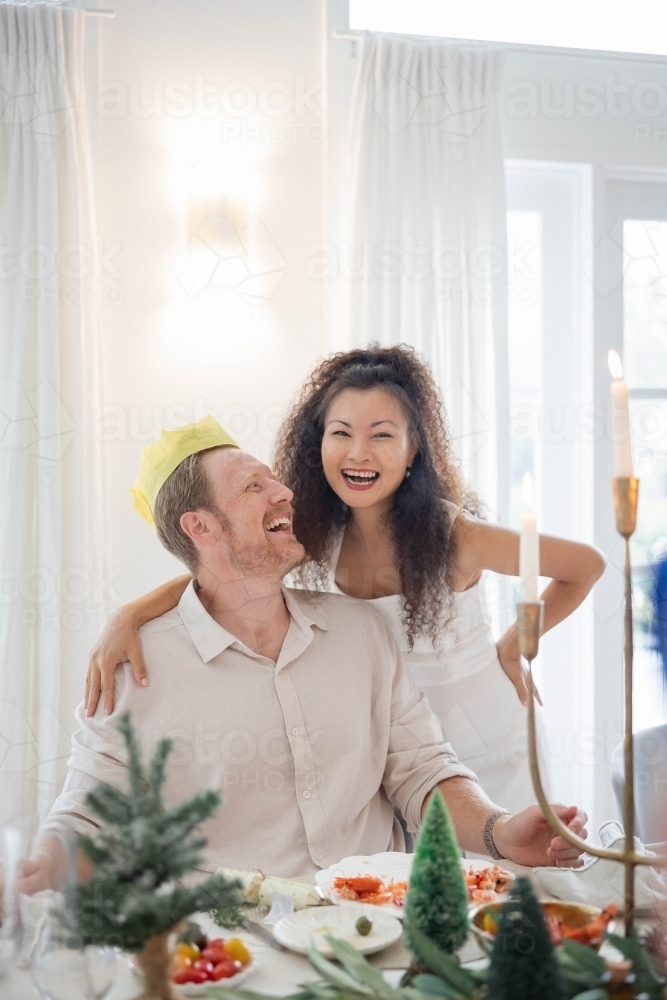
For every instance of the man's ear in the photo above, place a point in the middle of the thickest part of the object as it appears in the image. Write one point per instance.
(200, 526)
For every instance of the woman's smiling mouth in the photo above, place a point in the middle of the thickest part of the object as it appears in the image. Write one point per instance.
(360, 479)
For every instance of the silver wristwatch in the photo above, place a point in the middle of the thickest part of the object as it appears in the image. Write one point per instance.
(489, 842)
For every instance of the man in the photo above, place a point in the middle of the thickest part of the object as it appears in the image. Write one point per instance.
(298, 707)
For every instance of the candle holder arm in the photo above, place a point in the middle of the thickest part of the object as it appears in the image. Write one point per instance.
(554, 821)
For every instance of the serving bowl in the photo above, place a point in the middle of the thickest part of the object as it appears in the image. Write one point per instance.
(573, 916)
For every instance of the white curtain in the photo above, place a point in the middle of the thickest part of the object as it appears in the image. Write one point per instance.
(51, 503)
(427, 232)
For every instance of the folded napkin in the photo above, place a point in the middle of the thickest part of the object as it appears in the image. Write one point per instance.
(599, 881)
(259, 888)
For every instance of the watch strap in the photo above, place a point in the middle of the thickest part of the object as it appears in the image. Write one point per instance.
(487, 834)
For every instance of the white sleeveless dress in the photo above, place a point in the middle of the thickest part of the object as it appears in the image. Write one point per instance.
(476, 703)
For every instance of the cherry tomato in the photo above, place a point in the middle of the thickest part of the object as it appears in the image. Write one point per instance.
(225, 970)
(188, 950)
(198, 976)
(215, 955)
(182, 962)
(182, 976)
(235, 948)
(202, 965)
(216, 943)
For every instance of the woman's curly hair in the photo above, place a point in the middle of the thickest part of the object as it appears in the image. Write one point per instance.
(418, 521)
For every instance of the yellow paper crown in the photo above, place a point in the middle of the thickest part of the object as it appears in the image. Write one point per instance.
(161, 458)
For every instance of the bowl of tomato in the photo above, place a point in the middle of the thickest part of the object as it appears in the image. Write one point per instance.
(197, 965)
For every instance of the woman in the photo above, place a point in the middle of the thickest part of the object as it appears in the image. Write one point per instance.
(384, 516)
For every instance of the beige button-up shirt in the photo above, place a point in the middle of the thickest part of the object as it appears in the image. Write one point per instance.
(311, 753)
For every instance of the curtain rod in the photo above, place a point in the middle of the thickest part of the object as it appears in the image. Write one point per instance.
(89, 11)
(549, 50)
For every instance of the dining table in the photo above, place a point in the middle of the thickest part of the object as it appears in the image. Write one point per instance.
(279, 972)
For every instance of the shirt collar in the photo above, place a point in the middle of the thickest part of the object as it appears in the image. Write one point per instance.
(211, 639)
(306, 607)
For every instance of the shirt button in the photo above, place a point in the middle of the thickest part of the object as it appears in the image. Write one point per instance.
(306, 795)
(318, 856)
(295, 732)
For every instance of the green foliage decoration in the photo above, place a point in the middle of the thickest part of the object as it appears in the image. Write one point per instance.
(437, 901)
(355, 979)
(523, 961)
(137, 856)
(649, 981)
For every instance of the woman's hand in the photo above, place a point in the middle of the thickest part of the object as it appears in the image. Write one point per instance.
(510, 661)
(573, 569)
(119, 643)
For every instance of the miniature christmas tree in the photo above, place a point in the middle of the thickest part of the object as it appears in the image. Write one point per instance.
(523, 962)
(132, 899)
(437, 900)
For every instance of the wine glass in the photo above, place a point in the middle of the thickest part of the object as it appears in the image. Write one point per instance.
(14, 838)
(63, 969)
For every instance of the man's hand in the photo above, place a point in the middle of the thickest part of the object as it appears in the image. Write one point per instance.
(44, 870)
(527, 838)
(34, 875)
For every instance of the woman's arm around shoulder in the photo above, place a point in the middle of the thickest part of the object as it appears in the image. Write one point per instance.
(120, 642)
(481, 545)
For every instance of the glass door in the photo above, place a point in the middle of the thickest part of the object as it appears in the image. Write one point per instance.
(550, 363)
(637, 250)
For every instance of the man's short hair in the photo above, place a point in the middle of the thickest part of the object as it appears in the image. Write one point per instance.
(187, 488)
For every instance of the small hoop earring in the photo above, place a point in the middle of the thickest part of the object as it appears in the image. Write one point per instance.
(408, 472)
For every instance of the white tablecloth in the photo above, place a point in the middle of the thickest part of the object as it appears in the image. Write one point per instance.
(278, 973)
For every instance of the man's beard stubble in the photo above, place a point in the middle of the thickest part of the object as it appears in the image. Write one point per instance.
(262, 558)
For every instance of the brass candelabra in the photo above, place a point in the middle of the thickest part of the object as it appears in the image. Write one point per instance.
(626, 493)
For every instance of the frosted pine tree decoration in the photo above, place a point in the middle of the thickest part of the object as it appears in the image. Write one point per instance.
(523, 963)
(132, 899)
(437, 900)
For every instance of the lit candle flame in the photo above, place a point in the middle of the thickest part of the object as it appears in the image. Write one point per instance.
(528, 493)
(615, 365)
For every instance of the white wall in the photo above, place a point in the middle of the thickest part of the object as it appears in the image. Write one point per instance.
(177, 86)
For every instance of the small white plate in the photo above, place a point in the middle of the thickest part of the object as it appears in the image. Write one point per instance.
(392, 866)
(199, 989)
(309, 927)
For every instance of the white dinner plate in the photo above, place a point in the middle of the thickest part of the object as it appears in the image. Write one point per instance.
(304, 928)
(392, 866)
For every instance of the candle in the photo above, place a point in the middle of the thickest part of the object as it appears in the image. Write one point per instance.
(529, 551)
(621, 419)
